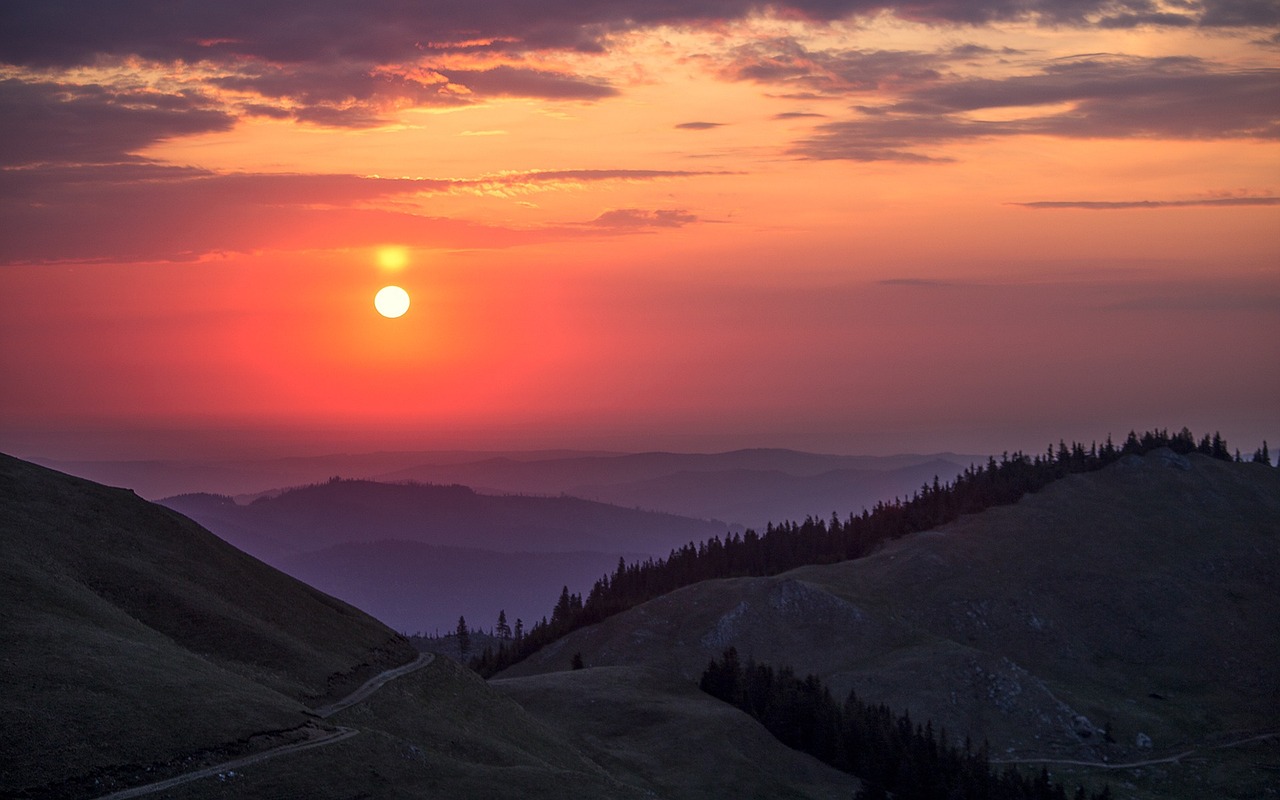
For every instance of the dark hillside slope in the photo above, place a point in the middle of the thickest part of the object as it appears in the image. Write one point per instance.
(131, 635)
(671, 739)
(136, 647)
(1142, 595)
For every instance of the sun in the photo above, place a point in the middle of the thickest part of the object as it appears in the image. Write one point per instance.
(391, 301)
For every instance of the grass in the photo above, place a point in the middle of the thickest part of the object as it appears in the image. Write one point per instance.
(1085, 599)
(134, 639)
(677, 741)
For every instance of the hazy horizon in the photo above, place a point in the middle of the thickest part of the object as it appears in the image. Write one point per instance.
(261, 444)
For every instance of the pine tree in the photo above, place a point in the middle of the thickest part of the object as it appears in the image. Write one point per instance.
(503, 630)
(464, 639)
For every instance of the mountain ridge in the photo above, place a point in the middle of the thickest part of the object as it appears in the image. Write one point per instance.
(1141, 595)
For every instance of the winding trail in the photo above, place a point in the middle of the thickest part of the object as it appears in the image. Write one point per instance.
(1173, 759)
(331, 737)
(374, 684)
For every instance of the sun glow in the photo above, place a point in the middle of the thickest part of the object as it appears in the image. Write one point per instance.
(393, 259)
(391, 301)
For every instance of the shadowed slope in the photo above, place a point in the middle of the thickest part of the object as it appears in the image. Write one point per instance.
(1142, 595)
(678, 742)
(133, 636)
(138, 648)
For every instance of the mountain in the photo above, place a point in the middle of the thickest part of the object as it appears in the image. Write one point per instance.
(156, 478)
(754, 498)
(340, 511)
(745, 488)
(1139, 599)
(138, 647)
(418, 556)
(416, 587)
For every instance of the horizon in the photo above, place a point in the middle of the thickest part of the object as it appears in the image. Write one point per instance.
(840, 227)
(70, 445)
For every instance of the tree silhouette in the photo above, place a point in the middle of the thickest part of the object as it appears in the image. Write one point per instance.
(464, 638)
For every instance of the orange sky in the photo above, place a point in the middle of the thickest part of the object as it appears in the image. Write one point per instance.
(841, 226)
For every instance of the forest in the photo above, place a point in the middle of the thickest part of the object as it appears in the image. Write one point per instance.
(891, 754)
(789, 545)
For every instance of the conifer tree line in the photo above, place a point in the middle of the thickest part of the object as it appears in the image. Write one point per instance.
(892, 755)
(789, 545)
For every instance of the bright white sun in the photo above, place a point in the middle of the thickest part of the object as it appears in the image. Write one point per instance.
(391, 301)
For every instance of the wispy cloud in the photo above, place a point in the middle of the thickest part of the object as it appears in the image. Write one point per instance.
(1113, 205)
(635, 218)
(151, 212)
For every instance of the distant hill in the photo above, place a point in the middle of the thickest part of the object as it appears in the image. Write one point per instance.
(745, 488)
(322, 515)
(156, 478)
(418, 556)
(754, 498)
(1141, 597)
(416, 587)
(136, 646)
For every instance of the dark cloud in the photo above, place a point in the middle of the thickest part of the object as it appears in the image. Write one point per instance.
(698, 126)
(1240, 13)
(789, 64)
(344, 64)
(798, 115)
(66, 32)
(57, 122)
(354, 95)
(513, 81)
(1107, 97)
(1113, 205)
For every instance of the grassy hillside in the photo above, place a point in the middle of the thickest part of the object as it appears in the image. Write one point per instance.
(136, 647)
(131, 636)
(1142, 595)
(679, 743)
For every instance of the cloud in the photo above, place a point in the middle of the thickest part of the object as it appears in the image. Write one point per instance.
(798, 115)
(1095, 96)
(786, 62)
(142, 211)
(505, 81)
(635, 218)
(919, 282)
(348, 65)
(77, 32)
(698, 126)
(59, 122)
(1112, 205)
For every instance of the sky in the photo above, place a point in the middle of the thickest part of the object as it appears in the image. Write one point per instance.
(837, 225)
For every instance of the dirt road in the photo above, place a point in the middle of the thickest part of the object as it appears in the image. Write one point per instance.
(330, 737)
(1134, 764)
